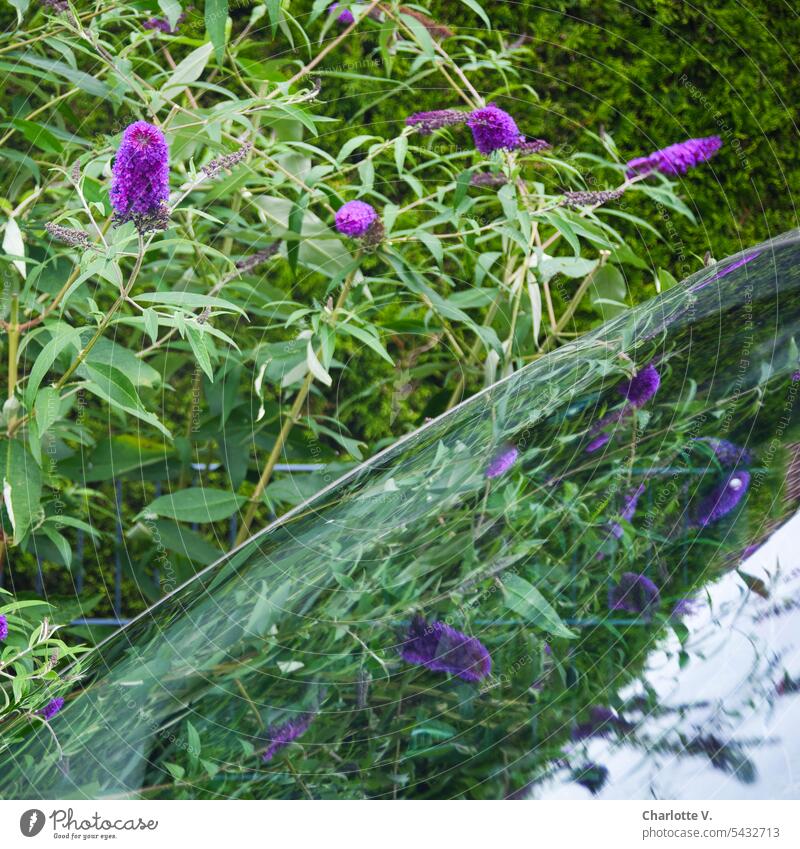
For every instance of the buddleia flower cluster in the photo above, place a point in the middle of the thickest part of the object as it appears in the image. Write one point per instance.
(359, 220)
(492, 128)
(281, 735)
(140, 178)
(577, 200)
(227, 162)
(441, 648)
(676, 159)
(68, 235)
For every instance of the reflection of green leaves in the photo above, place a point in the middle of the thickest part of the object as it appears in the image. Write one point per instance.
(523, 598)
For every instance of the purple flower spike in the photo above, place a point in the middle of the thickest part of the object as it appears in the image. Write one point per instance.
(51, 708)
(355, 218)
(531, 146)
(3, 627)
(640, 389)
(677, 158)
(634, 594)
(493, 129)
(427, 122)
(723, 498)
(345, 17)
(598, 442)
(441, 648)
(502, 462)
(281, 735)
(140, 184)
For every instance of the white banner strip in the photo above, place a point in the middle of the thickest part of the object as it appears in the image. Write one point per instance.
(351, 825)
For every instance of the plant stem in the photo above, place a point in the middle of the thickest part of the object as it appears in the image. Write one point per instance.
(106, 320)
(288, 424)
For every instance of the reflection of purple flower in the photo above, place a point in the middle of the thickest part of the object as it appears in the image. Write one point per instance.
(795, 376)
(634, 594)
(642, 387)
(677, 158)
(725, 271)
(355, 218)
(443, 649)
(51, 708)
(726, 452)
(140, 184)
(628, 510)
(493, 129)
(3, 627)
(683, 607)
(597, 443)
(427, 122)
(592, 776)
(281, 735)
(345, 17)
(602, 721)
(502, 462)
(723, 498)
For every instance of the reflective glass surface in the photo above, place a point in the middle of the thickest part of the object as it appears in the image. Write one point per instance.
(582, 581)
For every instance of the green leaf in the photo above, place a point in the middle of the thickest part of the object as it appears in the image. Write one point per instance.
(569, 266)
(367, 338)
(608, 291)
(63, 337)
(216, 16)
(197, 504)
(22, 487)
(188, 301)
(523, 598)
(188, 71)
(315, 366)
(199, 345)
(172, 10)
(478, 9)
(14, 246)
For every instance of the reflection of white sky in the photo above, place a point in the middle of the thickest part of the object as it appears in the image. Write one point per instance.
(734, 665)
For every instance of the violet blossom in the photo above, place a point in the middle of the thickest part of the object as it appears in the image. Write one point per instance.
(51, 708)
(441, 648)
(355, 219)
(281, 735)
(634, 594)
(722, 499)
(642, 387)
(502, 462)
(3, 627)
(493, 129)
(677, 158)
(345, 17)
(426, 122)
(140, 178)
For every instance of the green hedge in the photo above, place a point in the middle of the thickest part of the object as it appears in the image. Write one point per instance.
(655, 73)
